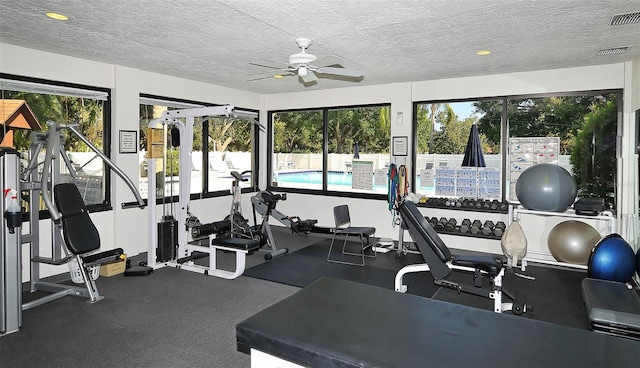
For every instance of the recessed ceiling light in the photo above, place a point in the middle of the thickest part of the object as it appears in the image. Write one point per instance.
(483, 52)
(278, 76)
(57, 16)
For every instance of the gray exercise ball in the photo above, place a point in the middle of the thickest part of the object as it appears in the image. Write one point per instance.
(572, 241)
(546, 187)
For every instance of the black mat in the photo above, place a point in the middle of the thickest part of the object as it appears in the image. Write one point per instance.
(555, 293)
(302, 267)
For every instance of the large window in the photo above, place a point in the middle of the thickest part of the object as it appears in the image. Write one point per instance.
(577, 131)
(442, 135)
(33, 106)
(220, 145)
(331, 149)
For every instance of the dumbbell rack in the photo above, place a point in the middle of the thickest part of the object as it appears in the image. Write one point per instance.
(467, 205)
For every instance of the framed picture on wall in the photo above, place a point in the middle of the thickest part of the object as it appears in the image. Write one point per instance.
(128, 141)
(400, 146)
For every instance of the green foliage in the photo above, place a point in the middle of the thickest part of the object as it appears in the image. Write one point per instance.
(586, 126)
(593, 155)
(302, 131)
(298, 132)
(86, 113)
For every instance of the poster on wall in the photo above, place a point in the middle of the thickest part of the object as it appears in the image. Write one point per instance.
(362, 175)
(526, 152)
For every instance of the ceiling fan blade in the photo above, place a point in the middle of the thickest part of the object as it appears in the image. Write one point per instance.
(329, 61)
(340, 71)
(274, 75)
(265, 66)
(260, 78)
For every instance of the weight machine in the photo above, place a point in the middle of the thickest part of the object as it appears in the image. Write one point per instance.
(40, 179)
(169, 246)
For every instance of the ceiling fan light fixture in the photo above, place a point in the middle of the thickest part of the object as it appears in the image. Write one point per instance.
(278, 76)
(483, 53)
(303, 71)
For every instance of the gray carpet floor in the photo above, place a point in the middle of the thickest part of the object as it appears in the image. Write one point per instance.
(171, 318)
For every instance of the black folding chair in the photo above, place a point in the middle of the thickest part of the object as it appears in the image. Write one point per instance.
(344, 228)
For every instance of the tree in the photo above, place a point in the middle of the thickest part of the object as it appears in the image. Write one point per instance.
(593, 155)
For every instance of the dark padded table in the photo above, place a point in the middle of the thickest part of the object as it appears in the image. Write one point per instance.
(337, 323)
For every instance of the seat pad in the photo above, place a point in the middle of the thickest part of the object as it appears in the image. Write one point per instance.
(490, 264)
(238, 243)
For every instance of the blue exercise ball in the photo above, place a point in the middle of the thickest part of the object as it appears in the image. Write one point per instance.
(612, 259)
(546, 187)
(638, 262)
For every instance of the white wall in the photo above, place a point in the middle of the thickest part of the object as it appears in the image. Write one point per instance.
(127, 228)
(118, 228)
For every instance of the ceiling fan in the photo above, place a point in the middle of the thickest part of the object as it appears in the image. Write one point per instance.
(306, 66)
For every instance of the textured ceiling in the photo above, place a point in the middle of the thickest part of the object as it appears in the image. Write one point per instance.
(391, 41)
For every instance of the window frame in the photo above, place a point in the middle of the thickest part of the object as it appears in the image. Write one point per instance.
(82, 90)
(325, 154)
(504, 131)
(204, 190)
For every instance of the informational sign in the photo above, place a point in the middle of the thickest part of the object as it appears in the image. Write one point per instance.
(488, 183)
(464, 182)
(361, 177)
(467, 182)
(380, 177)
(426, 178)
(526, 152)
(445, 181)
(128, 141)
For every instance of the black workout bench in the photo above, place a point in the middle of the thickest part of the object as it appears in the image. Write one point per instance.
(207, 247)
(337, 323)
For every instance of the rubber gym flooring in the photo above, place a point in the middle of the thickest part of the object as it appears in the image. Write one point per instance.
(555, 294)
(176, 318)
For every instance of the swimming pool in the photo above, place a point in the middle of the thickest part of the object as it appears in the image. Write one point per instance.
(336, 180)
(315, 177)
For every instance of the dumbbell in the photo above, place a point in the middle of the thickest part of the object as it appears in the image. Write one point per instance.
(465, 226)
(433, 221)
(498, 230)
(495, 204)
(487, 228)
(476, 225)
(450, 226)
(440, 224)
(478, 204)
(504, 205)
(486, 204)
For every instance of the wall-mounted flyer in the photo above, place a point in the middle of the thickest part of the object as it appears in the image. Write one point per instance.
(445, 181)
(362, 175)
(467, 182)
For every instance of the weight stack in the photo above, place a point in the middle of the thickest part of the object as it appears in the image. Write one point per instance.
(167, 239)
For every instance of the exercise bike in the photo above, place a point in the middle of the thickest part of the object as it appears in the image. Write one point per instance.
(239, 226)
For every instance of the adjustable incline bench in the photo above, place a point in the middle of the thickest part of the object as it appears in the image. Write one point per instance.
(440, 263)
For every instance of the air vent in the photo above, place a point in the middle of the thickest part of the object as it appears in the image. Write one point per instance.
(626, 18)
(613, 51)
